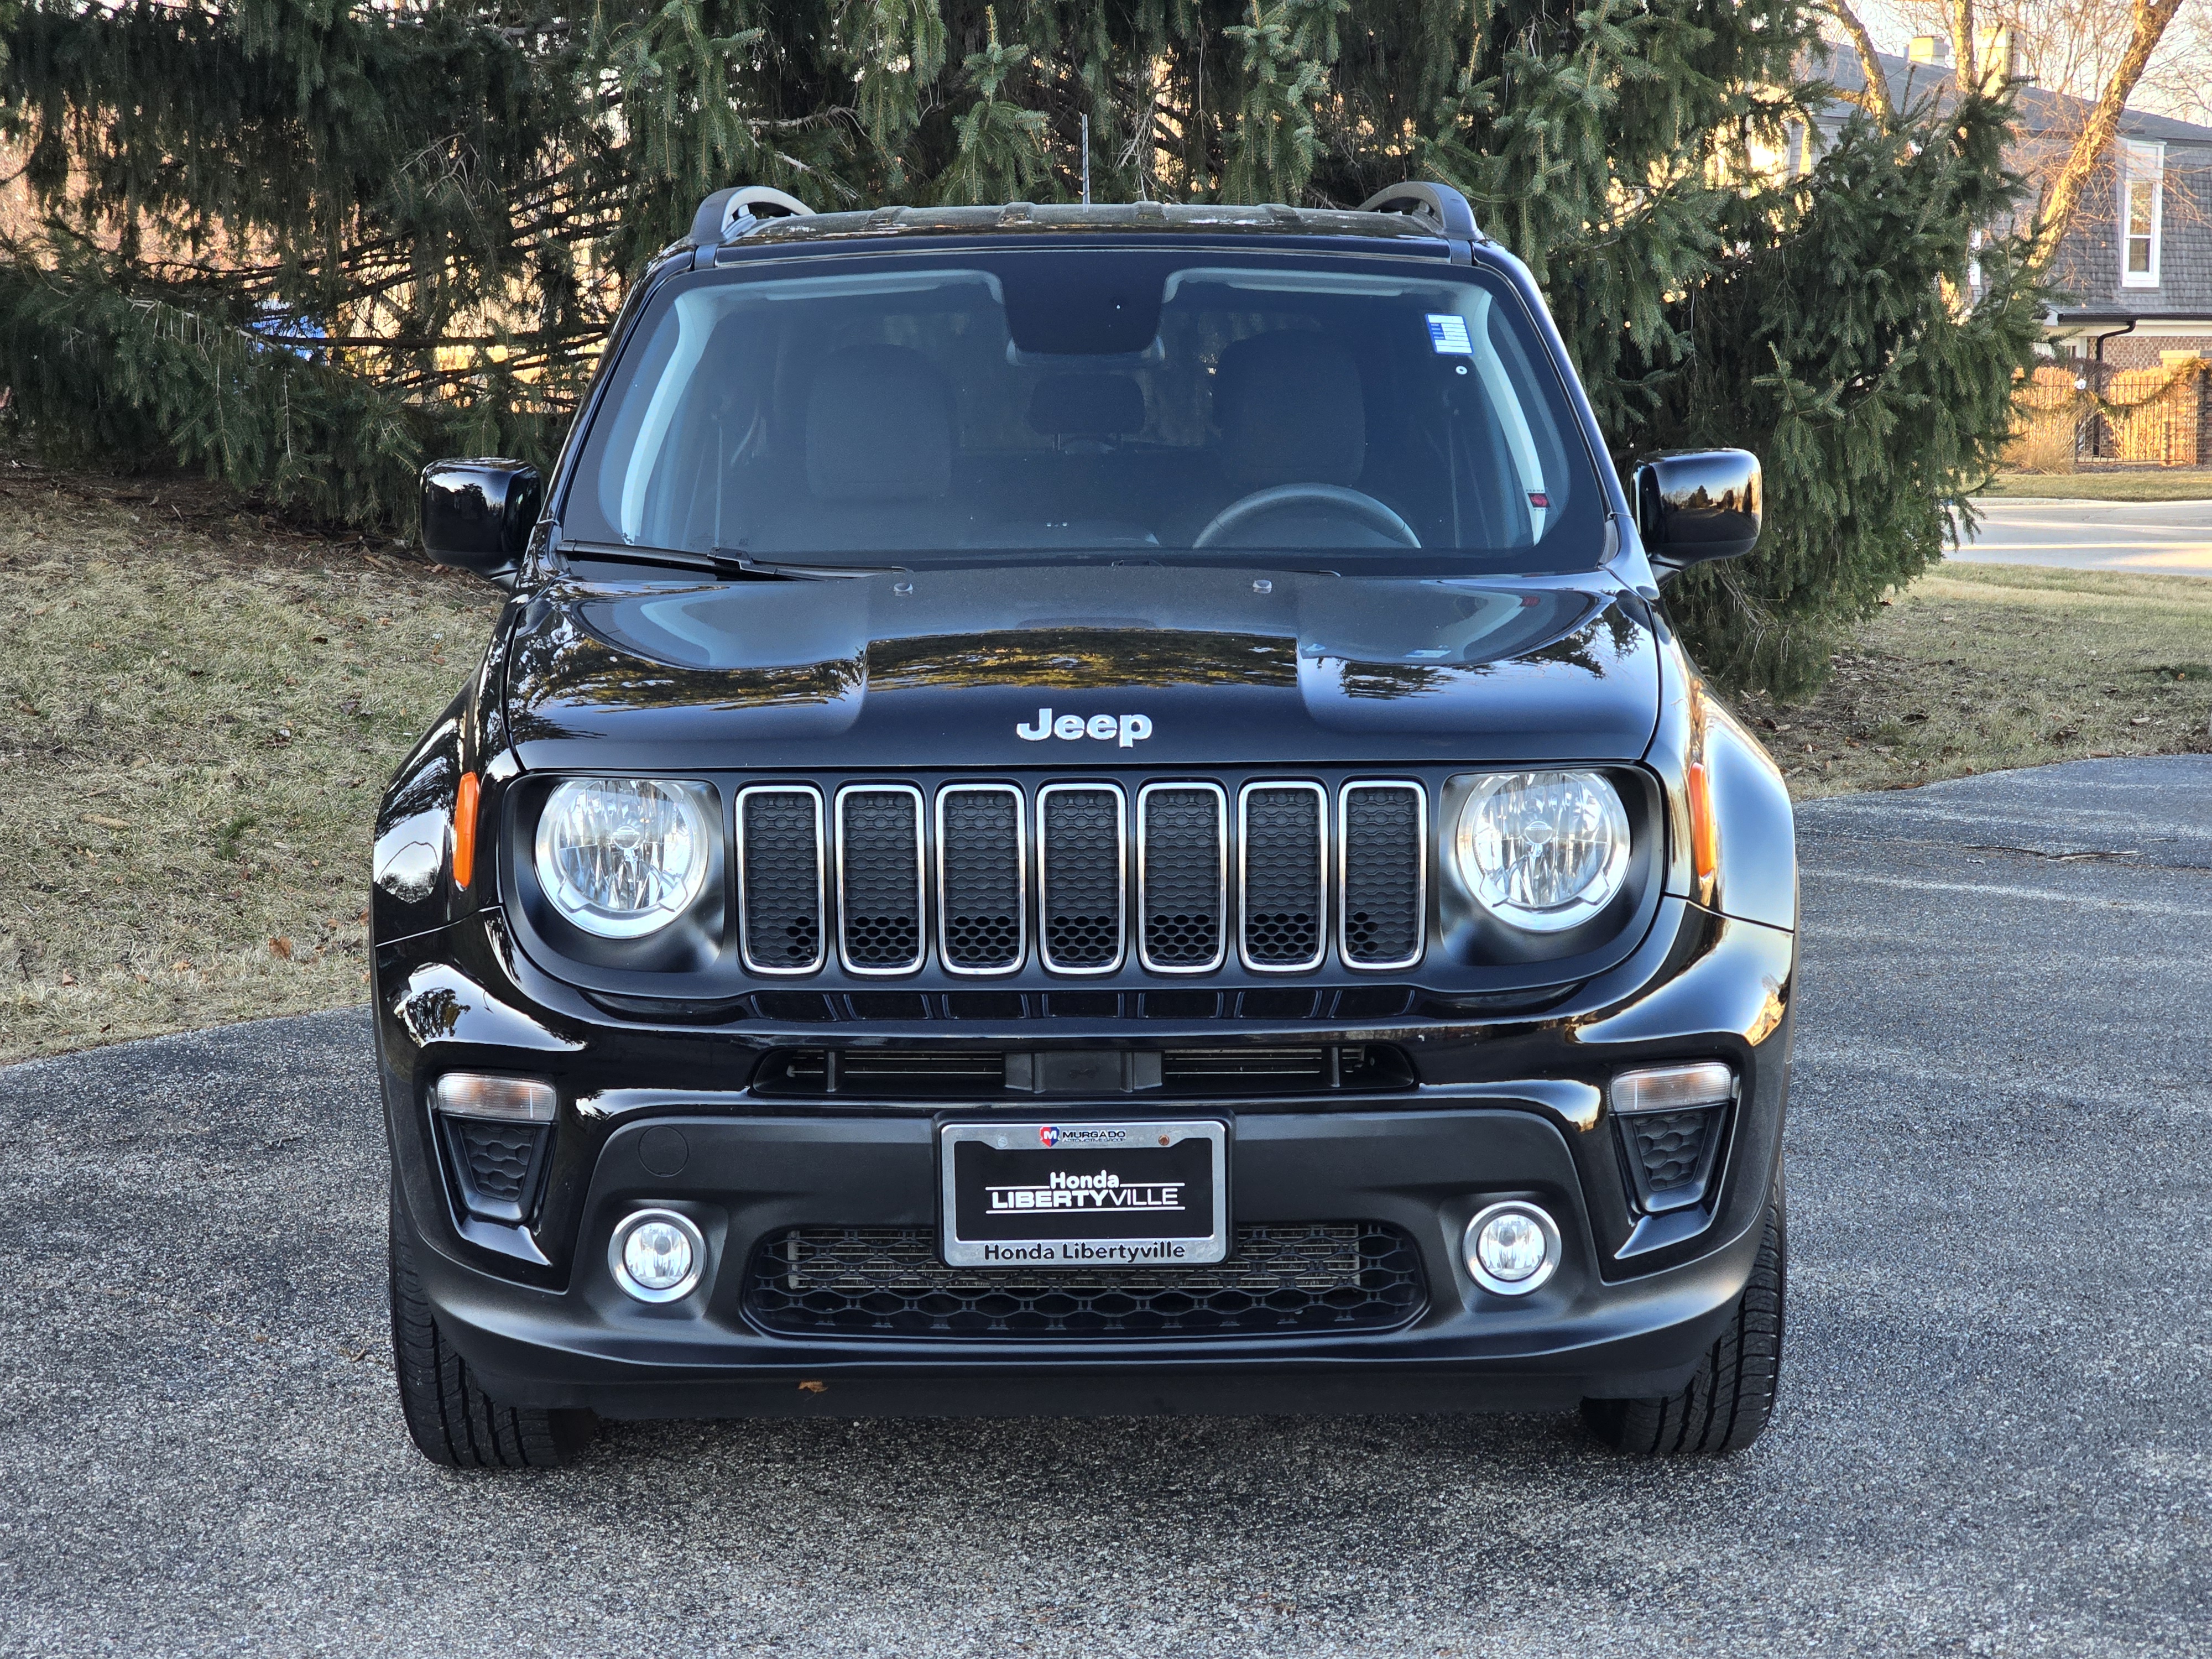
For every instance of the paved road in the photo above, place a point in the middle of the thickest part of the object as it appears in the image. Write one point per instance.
(2157, 538)
(1995, 1435)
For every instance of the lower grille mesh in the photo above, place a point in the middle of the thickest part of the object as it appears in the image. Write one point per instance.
(888, 1282)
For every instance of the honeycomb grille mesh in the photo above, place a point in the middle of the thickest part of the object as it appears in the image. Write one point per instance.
(1383, 854)
(1181, 892)
(498, 1156)
(1282, 1280)
(1671, 1155)
(782, 872)
(1082, 878)
(1282, 877)
(879, 867)
(981, 863)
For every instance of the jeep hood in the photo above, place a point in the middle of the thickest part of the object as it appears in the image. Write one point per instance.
(981, 667)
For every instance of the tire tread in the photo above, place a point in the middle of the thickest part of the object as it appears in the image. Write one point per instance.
(451, 1420)
(1729, 1400)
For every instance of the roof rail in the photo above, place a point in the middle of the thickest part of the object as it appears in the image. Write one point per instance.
(1440, 204)
(719, 214)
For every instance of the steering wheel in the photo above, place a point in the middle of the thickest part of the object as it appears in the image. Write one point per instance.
(1351, 503)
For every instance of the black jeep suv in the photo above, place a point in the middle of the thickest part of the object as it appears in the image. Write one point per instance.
(1084, 809)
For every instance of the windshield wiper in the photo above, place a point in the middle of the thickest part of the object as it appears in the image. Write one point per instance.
(725, 564)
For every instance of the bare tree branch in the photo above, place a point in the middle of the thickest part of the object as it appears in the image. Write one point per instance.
(1877, 92)
(2150, 18)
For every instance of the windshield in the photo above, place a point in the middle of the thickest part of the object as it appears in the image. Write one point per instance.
(973, 405)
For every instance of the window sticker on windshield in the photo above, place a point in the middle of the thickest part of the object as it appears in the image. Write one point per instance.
(1448, 334)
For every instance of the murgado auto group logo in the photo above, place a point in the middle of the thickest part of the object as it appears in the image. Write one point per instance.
(1128, 730)
(1049, 1134)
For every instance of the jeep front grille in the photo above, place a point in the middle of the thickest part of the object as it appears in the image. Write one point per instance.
(1160, 874)
(1284, 871)
(1183, 880)
(879, 879)
(779, 887)
(980, 878)
(1081, 857)
(1382, 874)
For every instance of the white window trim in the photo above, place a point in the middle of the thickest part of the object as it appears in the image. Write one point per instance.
(2138, 162)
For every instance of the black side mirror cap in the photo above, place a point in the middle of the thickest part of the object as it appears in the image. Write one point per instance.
(478, 515)
(1696, 505)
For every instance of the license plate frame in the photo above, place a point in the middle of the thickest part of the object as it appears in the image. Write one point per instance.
(1107, 1211)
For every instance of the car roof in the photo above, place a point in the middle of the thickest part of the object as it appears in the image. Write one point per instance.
(1038, 218)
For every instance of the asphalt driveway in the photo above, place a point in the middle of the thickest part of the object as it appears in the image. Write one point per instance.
(1996, 1435)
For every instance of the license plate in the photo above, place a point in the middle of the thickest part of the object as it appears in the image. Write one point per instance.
(1084, 1195)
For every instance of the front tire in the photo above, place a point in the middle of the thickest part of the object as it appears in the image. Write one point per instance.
(1728, 1402)
(451, 1420)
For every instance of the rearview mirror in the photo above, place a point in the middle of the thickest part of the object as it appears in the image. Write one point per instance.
(1696, 505)
(478, 515)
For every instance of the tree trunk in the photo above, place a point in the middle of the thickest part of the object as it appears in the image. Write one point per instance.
(2150, 18)
(1962, 45)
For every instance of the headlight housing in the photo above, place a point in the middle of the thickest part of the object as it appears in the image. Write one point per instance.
(1542, 851)
(621, 857)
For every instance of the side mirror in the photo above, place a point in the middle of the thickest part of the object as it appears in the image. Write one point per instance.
(478, 515)
(1696, 505)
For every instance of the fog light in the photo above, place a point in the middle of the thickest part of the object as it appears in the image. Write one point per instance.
(1512, 1248)
(657, 1256)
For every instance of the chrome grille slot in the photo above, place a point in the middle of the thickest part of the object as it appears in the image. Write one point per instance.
(1081, 877)
(880, 877)
(1182, 886)
(1282, 869)
(981, 917)
(780, 878)
(1382, 879)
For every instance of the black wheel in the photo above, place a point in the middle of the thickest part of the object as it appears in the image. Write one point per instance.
(1727, 1404)
(453, 1421)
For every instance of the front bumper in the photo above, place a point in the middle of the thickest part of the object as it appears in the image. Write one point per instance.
(1506, 1107)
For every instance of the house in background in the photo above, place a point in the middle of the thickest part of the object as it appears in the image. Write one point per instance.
(2137, 262)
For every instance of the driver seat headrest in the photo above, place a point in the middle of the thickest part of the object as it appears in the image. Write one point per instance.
(1291, 411)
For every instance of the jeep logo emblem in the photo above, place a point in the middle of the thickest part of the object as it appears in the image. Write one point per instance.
(1129, 729)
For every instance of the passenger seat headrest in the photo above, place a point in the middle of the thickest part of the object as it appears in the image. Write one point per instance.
(879, 427)
(1087, 406)
(1291, 411)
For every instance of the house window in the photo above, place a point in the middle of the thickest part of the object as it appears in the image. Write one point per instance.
(2141, 210)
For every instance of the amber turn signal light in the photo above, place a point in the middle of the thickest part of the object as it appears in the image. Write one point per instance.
(1704, 830)
(464, 831)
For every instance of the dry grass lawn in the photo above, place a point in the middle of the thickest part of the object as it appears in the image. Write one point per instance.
(197, 714)
(2178, 484)
(1980, 667)
(198, 711)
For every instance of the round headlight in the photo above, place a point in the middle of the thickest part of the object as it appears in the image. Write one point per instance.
(1542, 851)
(620, 857)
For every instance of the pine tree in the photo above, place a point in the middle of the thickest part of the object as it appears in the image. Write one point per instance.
(305, 243)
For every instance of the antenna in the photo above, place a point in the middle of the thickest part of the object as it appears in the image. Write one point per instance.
(1086, 161)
